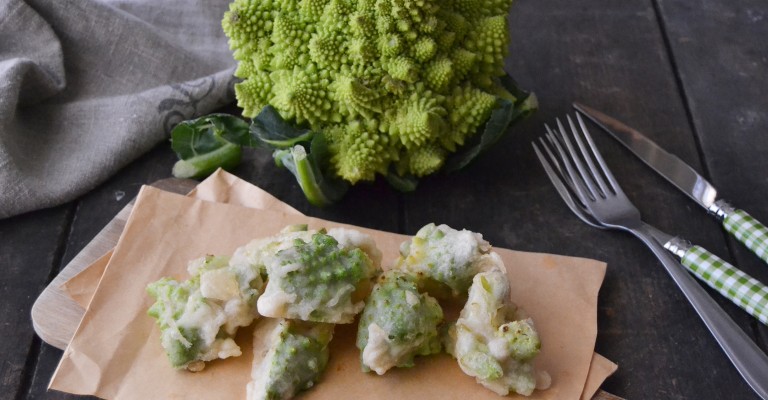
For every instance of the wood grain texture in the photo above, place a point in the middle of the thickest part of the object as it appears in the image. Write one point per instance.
(46, 362)
(612, 57)
(721, 53)
(30, 248)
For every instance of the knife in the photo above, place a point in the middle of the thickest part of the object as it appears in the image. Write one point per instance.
(738, 223)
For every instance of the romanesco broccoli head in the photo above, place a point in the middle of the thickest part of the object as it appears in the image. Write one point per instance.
(391, 83)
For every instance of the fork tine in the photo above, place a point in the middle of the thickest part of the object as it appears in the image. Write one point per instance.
(608, 174)
(586, 176)
(582, 192)
(580, 143)
(562, 174)
(560, 186)
(546, 147)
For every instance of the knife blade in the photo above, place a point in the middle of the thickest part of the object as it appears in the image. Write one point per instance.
(738, 223)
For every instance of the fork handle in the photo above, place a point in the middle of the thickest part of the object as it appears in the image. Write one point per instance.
(743, 290)
(748, 359)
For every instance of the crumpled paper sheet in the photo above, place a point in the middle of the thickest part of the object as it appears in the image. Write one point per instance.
(116, 352)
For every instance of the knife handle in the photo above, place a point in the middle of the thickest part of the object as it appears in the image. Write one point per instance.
(747, 230)
(742, 289)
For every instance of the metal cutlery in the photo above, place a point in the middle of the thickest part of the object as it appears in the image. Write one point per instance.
(742, 289)
(587, 185)
(738, 223)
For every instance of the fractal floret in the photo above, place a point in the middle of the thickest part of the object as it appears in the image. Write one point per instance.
(394, 85)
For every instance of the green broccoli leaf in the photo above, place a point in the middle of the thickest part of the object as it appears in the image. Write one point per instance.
(512, 106)
(202, 135)
(188, 141)
(319, 186)
(207, 143)
(270, 128)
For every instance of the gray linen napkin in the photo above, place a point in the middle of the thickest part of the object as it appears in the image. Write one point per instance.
(87, 86)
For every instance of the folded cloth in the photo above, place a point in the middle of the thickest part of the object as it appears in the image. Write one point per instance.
(87, 86)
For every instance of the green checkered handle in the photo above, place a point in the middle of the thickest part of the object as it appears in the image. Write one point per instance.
(743, 227)
(749, 231)
(742, 289)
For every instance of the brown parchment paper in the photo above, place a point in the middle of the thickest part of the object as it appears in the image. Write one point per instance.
(116, 354)
(220, 187)
(599, 369)
(82, 286)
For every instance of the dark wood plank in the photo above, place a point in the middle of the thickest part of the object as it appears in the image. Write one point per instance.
(613, 57)
(31, 246)
(721, 51)
(46, 362)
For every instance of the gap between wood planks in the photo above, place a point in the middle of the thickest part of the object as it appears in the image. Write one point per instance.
(729, 244)
(35, 348)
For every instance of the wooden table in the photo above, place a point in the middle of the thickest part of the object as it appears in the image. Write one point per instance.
(692, 75)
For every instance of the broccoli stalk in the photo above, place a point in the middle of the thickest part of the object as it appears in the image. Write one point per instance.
(319, 189)
(194, 326)
(445, 260)
(227, 156)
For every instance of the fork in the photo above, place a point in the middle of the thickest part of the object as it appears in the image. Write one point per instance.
(592, 192)
(742, 289)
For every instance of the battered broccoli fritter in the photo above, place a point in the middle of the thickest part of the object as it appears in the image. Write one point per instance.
(199, 317)
(317, 280)
(444, 260)
(297, 356)
(397, 324)
(488, 340)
